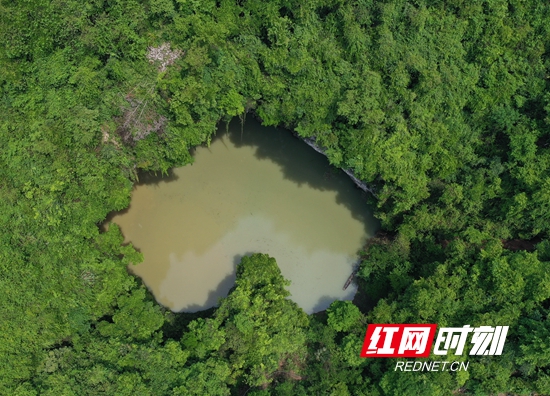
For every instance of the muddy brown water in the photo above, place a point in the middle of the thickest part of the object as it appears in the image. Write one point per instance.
(255, 189)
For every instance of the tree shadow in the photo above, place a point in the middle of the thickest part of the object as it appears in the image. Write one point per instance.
(149, 178)
(322, 304)
(363, 301)
(302, 165)
(214, 296)
(155, 178)
(224, 288)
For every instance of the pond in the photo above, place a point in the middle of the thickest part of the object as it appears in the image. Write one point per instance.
(255, 189)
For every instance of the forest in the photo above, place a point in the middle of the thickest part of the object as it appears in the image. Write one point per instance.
(441, 107)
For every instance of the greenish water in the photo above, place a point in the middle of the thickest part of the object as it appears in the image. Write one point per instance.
(259, 190)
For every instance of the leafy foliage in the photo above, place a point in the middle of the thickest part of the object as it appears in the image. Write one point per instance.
(441, 107)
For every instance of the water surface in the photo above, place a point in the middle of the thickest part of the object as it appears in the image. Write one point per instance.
(253, 190)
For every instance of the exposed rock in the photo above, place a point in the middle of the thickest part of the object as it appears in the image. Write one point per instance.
(163, 55)
(362, 185)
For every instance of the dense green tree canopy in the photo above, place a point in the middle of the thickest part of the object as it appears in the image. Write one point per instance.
(441, 107)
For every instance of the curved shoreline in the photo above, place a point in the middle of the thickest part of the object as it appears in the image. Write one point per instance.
(311, 142)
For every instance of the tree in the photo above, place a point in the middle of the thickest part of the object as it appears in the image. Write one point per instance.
(263, 331)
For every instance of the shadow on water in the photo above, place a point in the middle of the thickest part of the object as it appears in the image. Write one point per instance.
(155, 179)
(298, 162)
(222, 290)
(302, 165)
(323, 303)
(104, 226)
(144, 178)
